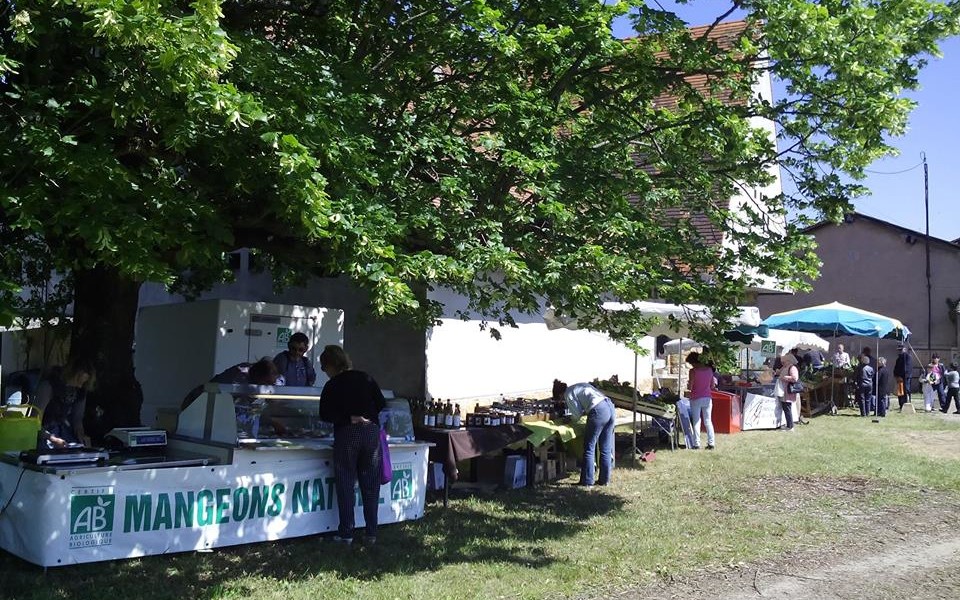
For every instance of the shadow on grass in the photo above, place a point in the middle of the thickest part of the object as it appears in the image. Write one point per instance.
(509, 527)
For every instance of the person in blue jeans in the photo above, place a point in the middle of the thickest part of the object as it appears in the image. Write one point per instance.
(865, 377)
(683, 410)
(701, 383)
(584, 399)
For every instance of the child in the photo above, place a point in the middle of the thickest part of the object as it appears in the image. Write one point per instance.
(930, 380)
(952, 379)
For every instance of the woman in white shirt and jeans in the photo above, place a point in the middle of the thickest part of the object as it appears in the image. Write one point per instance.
(584, 399)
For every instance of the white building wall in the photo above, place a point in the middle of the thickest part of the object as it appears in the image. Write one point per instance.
(463, 361)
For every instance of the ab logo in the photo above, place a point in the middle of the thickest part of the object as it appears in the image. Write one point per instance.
(401, 487)
(91, 517)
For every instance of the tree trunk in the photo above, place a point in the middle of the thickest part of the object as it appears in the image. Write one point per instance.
(104, 315)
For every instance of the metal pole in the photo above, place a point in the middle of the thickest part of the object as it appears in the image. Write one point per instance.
(876, 380)
(926, 211)
(633, 455)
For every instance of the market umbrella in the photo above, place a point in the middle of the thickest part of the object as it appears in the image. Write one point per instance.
(836, 319)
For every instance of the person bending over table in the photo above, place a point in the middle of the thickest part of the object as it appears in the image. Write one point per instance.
(62, 396)
(352, 401)
(584, 399)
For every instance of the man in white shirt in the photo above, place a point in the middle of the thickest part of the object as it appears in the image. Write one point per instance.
(840, 358)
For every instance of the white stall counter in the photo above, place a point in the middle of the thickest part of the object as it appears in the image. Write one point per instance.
(71, 515)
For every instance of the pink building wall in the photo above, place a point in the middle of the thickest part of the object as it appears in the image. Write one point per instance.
(881, 267)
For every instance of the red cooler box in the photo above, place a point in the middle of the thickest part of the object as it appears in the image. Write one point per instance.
(726, 412)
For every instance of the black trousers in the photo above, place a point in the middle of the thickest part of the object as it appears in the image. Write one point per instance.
(907, 382)
(356, 458)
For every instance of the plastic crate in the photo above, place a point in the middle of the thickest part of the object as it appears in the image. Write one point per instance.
(726, 415)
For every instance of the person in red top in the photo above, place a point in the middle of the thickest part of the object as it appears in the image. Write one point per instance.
(700, 383)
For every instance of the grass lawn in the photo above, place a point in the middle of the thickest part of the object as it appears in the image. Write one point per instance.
(757, 495)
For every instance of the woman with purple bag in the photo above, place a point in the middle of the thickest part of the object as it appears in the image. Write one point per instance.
(352, 401)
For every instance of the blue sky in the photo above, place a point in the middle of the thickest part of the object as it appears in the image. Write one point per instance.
(896, 183)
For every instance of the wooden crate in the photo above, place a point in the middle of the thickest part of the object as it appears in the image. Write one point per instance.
(654, 409)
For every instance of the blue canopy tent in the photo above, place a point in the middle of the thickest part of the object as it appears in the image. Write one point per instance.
(836, 319)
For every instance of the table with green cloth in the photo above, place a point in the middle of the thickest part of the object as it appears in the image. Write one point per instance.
(571, 434)
(541, 431)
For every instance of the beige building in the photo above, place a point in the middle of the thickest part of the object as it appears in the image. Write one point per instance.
(881, 267)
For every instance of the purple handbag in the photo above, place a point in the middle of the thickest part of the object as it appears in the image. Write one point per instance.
(386, 468)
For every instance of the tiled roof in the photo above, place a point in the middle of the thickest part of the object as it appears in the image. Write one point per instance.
(725, 36)
(853, 217)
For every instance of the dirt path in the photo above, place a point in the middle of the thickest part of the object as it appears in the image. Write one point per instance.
(896, 555)
(911, 552)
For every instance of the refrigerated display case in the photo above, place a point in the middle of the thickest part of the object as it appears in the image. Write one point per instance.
(179, 346)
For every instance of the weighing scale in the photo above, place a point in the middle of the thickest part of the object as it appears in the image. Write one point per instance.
(139, 437)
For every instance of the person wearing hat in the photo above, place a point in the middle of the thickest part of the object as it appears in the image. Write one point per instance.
(903, 373)
(789, 373)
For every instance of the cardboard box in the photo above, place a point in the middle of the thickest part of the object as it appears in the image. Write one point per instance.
(436, 478)
(515, 472)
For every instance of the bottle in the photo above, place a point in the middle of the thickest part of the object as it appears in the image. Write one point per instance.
(448, 415)
(432, 415)
(456, 417)
(425, 411)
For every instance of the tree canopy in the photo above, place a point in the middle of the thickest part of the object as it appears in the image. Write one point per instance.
(512, 151)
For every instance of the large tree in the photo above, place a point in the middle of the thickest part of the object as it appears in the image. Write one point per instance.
(512, 151)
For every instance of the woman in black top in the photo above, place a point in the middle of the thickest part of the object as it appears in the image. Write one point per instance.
(352, 401)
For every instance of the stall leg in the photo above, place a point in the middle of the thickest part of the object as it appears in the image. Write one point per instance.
(675, 438)
(531, 466)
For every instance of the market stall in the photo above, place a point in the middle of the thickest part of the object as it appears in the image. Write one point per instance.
(201, 488)
(661, 318)
(835, 319)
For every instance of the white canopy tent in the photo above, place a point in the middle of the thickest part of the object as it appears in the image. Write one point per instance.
(784, 338)
(685, 314)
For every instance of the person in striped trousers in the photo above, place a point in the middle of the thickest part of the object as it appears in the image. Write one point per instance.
(352, 402)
